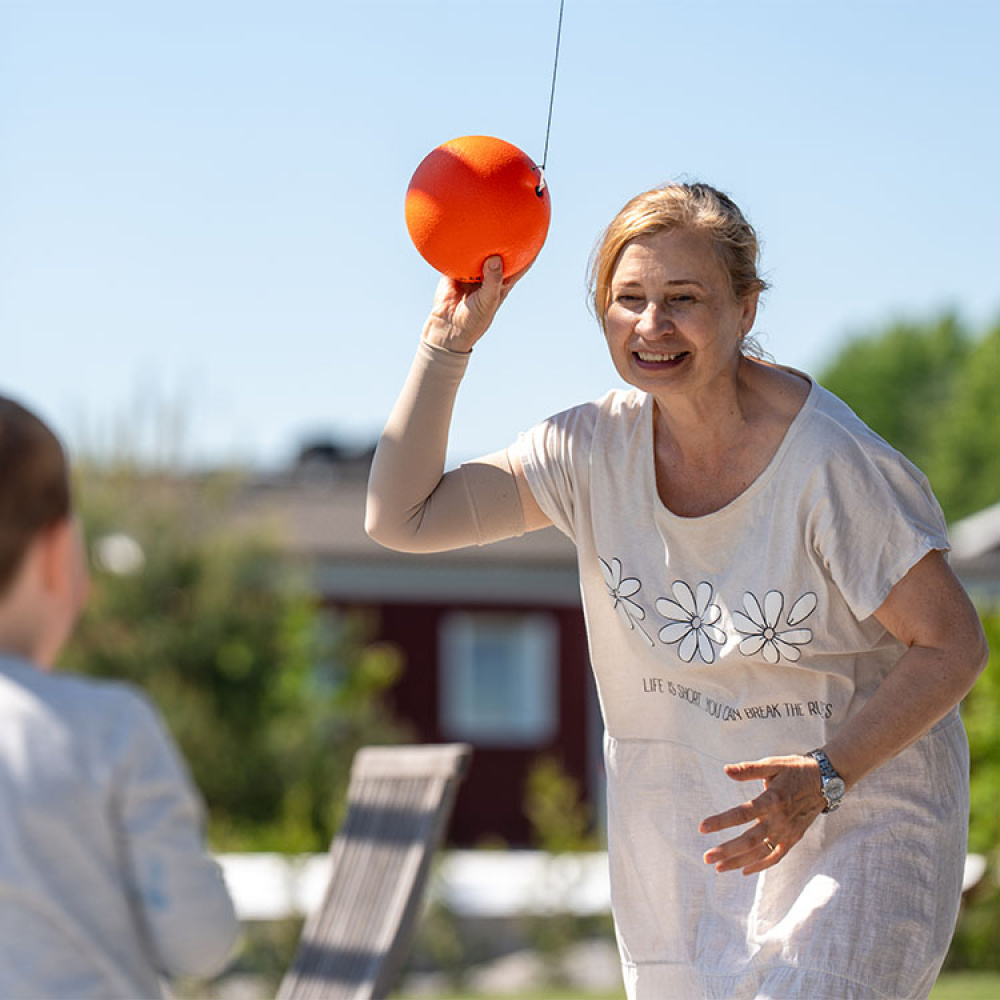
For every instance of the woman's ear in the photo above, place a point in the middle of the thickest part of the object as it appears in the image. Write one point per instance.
(748, 313)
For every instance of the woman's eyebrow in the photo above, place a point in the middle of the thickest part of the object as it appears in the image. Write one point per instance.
(635, 283)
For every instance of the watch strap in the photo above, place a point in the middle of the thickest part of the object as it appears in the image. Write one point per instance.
(832, 783)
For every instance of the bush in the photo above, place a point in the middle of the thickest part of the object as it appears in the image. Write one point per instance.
(977, 938)
(267, 693)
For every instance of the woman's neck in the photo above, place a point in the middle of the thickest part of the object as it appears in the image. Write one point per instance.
(709, 448)
(711, 419)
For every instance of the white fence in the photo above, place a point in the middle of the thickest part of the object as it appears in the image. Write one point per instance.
(471, 883)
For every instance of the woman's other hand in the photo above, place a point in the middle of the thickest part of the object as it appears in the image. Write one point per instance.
(781, 814)
(463, 312)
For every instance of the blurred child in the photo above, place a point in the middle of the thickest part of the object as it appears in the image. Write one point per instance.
(105, 883)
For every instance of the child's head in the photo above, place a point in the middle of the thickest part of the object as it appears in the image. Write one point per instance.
(42, 572)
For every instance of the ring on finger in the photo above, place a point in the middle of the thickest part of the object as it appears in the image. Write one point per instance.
(770, 847)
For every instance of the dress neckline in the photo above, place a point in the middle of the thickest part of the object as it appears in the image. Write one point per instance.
(758, 484)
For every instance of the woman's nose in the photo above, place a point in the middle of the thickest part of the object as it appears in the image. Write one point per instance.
(653, 320)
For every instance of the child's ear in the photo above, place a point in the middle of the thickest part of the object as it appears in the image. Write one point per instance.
(61, 580)
(55, 548)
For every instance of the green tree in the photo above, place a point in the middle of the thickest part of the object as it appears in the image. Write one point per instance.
(981, 714)
(963, 448)
(267, 698)
(932, 390)
(977, 938)
(899, 379)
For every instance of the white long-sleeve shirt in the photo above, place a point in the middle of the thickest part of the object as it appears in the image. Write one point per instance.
(105, 882)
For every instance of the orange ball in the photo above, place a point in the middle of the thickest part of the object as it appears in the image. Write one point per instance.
(474, 197)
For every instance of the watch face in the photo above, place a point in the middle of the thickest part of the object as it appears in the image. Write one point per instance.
(835, 789)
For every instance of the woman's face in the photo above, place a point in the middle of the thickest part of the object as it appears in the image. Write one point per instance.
(673, 323)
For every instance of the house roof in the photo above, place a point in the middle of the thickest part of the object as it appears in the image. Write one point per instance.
(320, 519)
(975, 552)
(978, 535)
(316, 512)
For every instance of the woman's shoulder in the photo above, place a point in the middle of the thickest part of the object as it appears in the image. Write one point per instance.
(616, 406)
(629, 404)
(854, 458)
(571, 437)
(834, 420)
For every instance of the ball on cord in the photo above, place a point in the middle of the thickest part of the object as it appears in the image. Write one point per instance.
(474, 197)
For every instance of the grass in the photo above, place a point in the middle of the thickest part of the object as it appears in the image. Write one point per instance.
(967, 986)
(951, 986)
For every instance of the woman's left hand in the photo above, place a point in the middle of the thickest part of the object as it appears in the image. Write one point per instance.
(781, 814)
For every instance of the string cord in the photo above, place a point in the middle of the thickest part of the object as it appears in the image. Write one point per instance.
(552, 100)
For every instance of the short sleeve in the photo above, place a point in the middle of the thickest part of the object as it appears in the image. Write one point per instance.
(875, 518)
(555, 456)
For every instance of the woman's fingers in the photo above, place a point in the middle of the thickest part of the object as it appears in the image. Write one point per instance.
(754, 850)
(737, 816)
(483, 302)
(462, 312)
(780, 815)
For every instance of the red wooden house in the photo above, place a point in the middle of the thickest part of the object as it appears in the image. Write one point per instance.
(493, 638)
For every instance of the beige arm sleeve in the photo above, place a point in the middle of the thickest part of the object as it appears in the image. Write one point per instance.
(413, 505)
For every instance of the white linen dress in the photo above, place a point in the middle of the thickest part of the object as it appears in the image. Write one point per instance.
(742, 634)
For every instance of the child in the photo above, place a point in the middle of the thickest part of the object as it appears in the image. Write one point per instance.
(105, 883)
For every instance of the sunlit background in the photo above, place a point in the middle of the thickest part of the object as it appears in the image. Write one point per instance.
(204, 265)
(201, 203)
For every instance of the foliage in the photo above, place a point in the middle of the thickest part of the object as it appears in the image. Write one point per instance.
(932, 390)
(267, 702)
(981, 713)
(963, 459)
(560, 819)
(977, 938)
(267, 950)
(561, 822)
(966, 986)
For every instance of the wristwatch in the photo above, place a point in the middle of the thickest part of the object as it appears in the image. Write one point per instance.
(833, 784)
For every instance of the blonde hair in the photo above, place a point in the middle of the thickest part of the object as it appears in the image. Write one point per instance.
(679, 206)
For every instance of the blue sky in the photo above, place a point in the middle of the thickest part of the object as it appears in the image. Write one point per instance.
(201, 204)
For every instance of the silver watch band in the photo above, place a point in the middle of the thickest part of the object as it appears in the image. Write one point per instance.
(833, 786)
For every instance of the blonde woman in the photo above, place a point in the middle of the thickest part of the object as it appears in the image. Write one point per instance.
(778, 641)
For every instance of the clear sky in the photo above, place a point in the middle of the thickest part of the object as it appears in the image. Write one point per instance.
(201, 203)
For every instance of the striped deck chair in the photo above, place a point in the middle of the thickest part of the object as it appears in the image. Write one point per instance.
(399, 803)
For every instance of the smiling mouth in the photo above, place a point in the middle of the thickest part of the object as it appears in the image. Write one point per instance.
(648, 357)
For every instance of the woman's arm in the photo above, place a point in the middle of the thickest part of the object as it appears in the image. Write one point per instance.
(931, 614)
(412, 504)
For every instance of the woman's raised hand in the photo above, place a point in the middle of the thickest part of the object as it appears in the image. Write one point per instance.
(463, 312)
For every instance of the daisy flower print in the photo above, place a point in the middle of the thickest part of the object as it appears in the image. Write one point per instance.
(691, 618)
(621, 590)
(761, 626)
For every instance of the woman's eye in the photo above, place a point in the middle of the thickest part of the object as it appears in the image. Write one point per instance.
(682, 299)
(626, 299)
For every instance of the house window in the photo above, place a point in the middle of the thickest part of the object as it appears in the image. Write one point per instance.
(498, 679)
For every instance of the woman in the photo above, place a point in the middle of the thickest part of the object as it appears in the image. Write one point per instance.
(778, 641)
